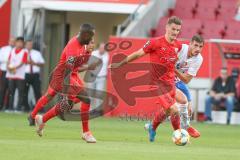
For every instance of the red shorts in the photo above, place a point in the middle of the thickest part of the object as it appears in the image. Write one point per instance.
(71, 90)
(167, 100)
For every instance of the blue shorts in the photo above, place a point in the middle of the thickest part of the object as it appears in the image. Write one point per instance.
(184, 88)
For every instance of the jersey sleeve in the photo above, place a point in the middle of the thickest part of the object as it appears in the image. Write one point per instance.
(149, 46)
(194, 67)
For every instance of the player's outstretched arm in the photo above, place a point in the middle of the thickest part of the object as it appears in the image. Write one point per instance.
(130, 58)
(91, 66)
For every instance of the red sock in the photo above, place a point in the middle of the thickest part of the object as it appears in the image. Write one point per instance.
(53, 112)
(85, 116)
(39, 105)
(42, 102)
(175, 120)
(158, 118)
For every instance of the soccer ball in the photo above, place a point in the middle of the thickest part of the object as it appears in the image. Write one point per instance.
(180, 137)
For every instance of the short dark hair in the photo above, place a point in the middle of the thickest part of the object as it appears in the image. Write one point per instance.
(20, 39)
(175, 20)
(86, 28)
(197, 38)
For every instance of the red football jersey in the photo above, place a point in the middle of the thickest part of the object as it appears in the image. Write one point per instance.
(164, 53)
(73, 56)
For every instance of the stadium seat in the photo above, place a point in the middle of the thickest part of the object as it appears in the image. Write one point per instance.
(160, 29)
(213, 29)
(228, 9)
(228, 4)
(206, 13)
(226, 14)
(207, 9)
(233, 30)
(208, 3)
(184, 12)
(184, 9)
(190, 27)
(186, 3)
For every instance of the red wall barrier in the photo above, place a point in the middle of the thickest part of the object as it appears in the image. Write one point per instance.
(5, 16)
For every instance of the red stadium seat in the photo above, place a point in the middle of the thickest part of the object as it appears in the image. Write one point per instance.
(208, 3)
(233, 31)
(228, 9)
(207, 9)
(228, 4)
(184, 12)
(190, 27)
(160, 29)
(213, 29)
(186, 3)
(206, 13)
(184, 8)
(226, 14)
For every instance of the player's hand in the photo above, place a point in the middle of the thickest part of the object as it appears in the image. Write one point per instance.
(12, 70)
(114, 65)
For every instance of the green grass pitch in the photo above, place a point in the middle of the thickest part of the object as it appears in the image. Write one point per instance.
(117, 140)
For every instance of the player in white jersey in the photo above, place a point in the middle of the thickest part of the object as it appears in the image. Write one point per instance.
(189, 62)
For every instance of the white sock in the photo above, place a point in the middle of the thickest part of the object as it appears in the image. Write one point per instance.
(184, 118)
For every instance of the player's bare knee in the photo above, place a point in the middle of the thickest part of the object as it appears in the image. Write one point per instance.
(180, 97)
(174, 110)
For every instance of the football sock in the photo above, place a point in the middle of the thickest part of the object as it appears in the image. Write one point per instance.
(43, 101)
(54, 111)
(159, 117)
(175, 120)
(184, 118)
(85, 116)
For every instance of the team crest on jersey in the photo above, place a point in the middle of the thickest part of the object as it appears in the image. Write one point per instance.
(70, 60)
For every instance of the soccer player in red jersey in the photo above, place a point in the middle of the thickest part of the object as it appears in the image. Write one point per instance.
(65, 80)
(163, 51)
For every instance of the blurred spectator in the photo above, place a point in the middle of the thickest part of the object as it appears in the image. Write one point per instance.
(98, 75)
(235, 74)
(237, 17)
(222, 92)
(238, 87)
(4, 54)
(16, 73)
(32, 76)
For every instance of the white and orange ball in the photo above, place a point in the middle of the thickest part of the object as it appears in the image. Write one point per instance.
(180, 137)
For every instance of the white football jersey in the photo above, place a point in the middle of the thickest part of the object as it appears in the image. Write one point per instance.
(188, 65)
